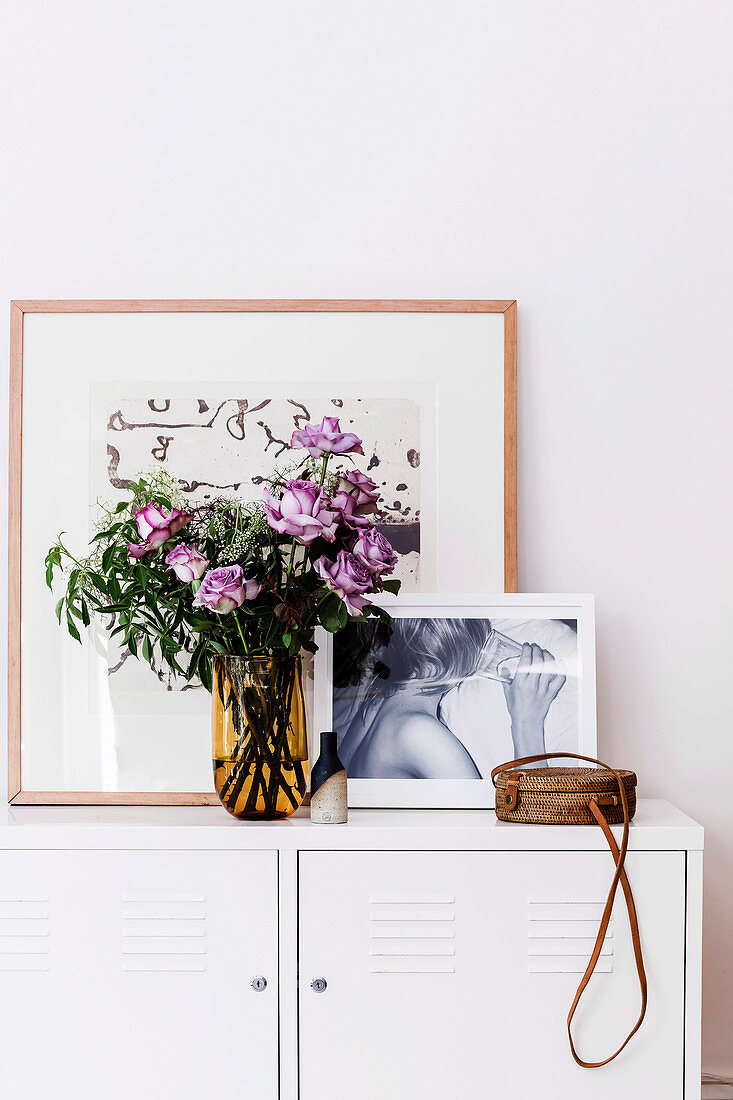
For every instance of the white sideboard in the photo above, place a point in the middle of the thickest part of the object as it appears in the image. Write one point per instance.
(176, 953)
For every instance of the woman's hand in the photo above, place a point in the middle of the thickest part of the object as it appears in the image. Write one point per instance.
(536, 682)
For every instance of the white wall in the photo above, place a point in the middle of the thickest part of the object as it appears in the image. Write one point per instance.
(574, 155)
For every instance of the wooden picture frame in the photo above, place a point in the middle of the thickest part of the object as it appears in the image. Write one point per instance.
(17, 794)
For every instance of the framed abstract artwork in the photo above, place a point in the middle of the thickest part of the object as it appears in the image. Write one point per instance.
(426, 707)
(210, 391)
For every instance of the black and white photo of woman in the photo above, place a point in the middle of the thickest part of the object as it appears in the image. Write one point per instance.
(421, 700)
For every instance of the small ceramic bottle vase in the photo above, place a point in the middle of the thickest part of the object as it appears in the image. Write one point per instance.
(328, 785)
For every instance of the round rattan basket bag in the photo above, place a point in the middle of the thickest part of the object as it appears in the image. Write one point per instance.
(561, 796)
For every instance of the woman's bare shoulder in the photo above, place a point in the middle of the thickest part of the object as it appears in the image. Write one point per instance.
(412, 743)
(409, 726)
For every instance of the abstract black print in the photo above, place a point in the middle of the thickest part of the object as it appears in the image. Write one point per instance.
(215, 444)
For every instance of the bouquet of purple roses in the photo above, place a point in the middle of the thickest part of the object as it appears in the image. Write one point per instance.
(179, 584)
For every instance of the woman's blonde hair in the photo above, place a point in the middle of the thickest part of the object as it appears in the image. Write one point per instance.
(434, 652)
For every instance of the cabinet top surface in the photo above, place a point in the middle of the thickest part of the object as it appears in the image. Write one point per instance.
(657, 825)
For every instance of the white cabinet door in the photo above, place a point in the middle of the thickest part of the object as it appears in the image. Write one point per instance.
(127, 975)
(451, 974)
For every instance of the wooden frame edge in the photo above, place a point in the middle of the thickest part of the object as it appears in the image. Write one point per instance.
(511, 576)
(266, 305)
(18, 308)
(15, 434)
(114, 798)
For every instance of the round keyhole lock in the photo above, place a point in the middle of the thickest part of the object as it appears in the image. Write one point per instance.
(259, 983)
(318, 985)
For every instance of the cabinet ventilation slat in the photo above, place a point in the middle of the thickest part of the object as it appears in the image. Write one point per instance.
(412, 947)
(169, 949)
(163, 963)
(146, 899)
(566, 947)
(25, 926)
(18, 963)
(415, 965)
(163, 911)
(23, 945)
(561, 935)
(412, 934)
(29, 910)
(389, 929)
(411, 912)
(541, 929)
(415, 899)
(19, 926)
(165, 928)
(566, 910)
(164, 932)
(566, 964)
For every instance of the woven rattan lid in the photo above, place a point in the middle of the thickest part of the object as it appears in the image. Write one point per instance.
(567, 779)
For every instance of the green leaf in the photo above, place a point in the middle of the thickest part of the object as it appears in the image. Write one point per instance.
(205, 673)
(147, 649)
(85, 613)
(122, 507)
(142, 575)
(59, 609)
(378, 612)
(108, 557)
(392, 586)
(333, 614)
(194, 662)
(71, 627)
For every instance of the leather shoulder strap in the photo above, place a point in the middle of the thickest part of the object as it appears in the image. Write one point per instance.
(619, 858)
(620, 876)
(510, 765)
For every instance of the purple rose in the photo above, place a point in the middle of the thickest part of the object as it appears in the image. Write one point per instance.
(156, 526)
(152, 519)
(347, 578)
(375, 552)
(187, 562)
(225, 588)
(347, 511)
(304, 512)
(138, 550)
(362, 488)
(326, 437)
(252, 589)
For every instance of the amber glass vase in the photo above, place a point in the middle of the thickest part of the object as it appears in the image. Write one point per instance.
(260, 746)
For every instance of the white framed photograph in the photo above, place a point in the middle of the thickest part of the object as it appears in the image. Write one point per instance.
(426, 707)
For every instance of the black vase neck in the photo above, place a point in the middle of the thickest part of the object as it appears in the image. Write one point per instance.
(328, 762)
(329, 744)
